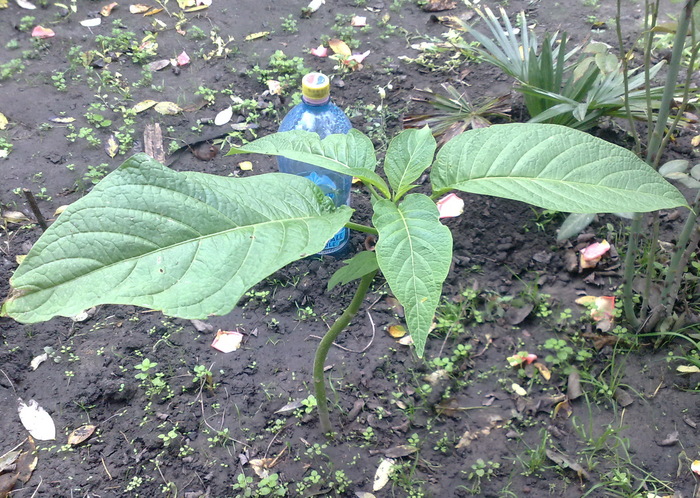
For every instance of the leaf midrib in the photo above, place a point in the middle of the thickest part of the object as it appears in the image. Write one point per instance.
(197, 240)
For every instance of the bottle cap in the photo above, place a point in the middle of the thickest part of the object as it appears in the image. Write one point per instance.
(316, 87)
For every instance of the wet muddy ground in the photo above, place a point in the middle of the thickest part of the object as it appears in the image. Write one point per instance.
(201, 422)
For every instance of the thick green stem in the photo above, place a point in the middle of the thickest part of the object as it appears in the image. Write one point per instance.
(361, 228)
(675, 267)
(655, 143)
(325, 345)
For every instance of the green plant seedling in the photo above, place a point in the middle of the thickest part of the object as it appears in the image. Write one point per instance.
(153, 237)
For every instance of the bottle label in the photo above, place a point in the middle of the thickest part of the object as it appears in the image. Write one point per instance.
(337, 242)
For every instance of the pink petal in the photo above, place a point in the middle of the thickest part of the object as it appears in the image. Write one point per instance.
(591, 255)
(530, 358)
(320, 51)
(595, 250)
(358, 57)
(183, 59)
(42, 32)
(450, 206)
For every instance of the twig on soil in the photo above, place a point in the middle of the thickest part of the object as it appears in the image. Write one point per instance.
(35, 209)
(374, 330)
(105, 467)
(8, 380)
(41, 480)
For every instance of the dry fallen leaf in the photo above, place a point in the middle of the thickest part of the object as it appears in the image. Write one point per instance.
(564, 461)
(339, 47)
(544, 371)
(245, 166)
(262, 466)
(153, 142)
(290, 407)
(168, 108)
(143, 105)
(21, 467)
(139, 8)
(61, 120)
(399, 451)
(38, 360)
(397, 331)
(107, 9)
(158, 65)
(255, 36)
(112, 146)
(381, 476)
(15, 217)
(3, 121)
(81, 434)
(227, 341)
(518, 389)
(35, 419)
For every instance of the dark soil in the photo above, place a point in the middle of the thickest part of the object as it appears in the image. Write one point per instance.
(194, 438)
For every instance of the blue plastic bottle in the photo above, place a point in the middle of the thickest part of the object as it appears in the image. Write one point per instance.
(318, 114)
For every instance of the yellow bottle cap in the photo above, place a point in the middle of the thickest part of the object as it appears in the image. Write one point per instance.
(316, 86)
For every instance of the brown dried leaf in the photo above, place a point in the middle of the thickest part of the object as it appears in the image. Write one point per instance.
(107, 9)
(564, 461)
(157, 66)
(573, 386)
(153, 143)
(622, 397)
(399, 451)
(449, 407)
(81, 434)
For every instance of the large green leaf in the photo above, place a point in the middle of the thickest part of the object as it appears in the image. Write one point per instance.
(553, 167)
(350, 154)
(409, 154)
(414, 252)
(189, 244)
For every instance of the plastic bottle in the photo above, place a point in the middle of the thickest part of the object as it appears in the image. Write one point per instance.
(318, 114)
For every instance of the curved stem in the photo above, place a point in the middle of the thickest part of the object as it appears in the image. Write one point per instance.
(325, 345)
(361, 228)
